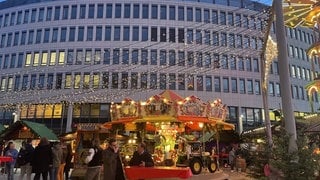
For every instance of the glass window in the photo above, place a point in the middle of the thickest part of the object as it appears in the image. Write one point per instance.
(172, 35)
(207, 60)
(72, 33)
(61, 59)
(257, 87)
(181, 82)
(135, 57)
(181, 35)
(172, 58)
(17, 83)
(154, 57)
(248, 64)
(91, 11)
(198, 37)
(30, 37)
(50, 81)
(65, 12)
(67, 84)
(99, 33)
(163, 57)
(217, 84)
(208, 83)
(207, 38)
(54, 35)
(86, 81)
(82, 13)
(96, 80)
(127, 10)
(24, 82)
(106, 56)
(74, 12)
(189, 14)
(126, 33)
(53, 56)
(215, 38)
(144, 80)
(163, 12)
(20, 60)
(136, 11)
(77, 81)
(19, 17)
(89, 33)
(58, 81)
(230, 19)
(44, 58)
(181, 13)
(63, 35)
(105, 80)
(124, 80)
(56, 13)
(135, 33)
(134, 80)
(49, 14)
(116, 56)
(154, 11)
(163, 81)
(238, 20)
(33, 81)
(88, 57)
(190, 60)
(223, 39)
(13, 61)
(9, 40)
(181, 58)
(214, 17)
(70, 56)
(198, 15)
(163, 34)
(33, 16)
(172, 13)
(145, 11)
(38, 36)
(107, 36)
(109, 11)
(26, 16)
(154, 34)
(100, 11)
(80, 33)
(249, 86)
(125, 56)
(199, 59)
(36, 59)
(199, 83)
(172, 81)
(117, 12)
(225, 84)
(206, 15)
(116, 36)
(153, 81)
(189, 36)
(144, 57)
(46, 37)
(190, 82)
(6, 62)
(145, 34)
(255, 65)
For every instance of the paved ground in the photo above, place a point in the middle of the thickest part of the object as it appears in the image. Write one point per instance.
(223, 174)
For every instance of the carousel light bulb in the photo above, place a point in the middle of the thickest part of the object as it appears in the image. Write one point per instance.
(201, 125)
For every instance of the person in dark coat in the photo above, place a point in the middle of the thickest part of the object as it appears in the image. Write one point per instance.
(42, 159)
(68, 165)
(112, 164)
(141, 157)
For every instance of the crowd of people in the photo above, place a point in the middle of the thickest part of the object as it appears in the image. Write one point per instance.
(45, 160)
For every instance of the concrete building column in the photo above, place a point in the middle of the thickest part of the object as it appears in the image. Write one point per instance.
(69, 118)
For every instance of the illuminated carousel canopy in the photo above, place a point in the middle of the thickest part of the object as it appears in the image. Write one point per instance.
(300, 12)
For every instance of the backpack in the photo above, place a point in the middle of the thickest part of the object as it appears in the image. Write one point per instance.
(97, 158)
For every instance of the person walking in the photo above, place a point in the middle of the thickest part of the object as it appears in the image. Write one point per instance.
(112, 165)
(56, 160)
(26, 153)
(13, 153)
(232, 158)
(42, 159)
(68, 165)
(94, 161)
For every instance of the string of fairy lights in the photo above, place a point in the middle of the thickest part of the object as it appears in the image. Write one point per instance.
(92, 95)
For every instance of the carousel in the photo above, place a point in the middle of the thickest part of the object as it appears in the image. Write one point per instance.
(174, 128)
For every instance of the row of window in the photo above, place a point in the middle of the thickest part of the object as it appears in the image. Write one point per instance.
(135, 11)
(129, 33)
(129, 56)
(133, 80)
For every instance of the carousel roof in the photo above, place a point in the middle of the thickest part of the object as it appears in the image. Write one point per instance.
(171, 96)
(300, 12)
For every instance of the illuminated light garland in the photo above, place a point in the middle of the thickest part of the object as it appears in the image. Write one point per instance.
(270, 54)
